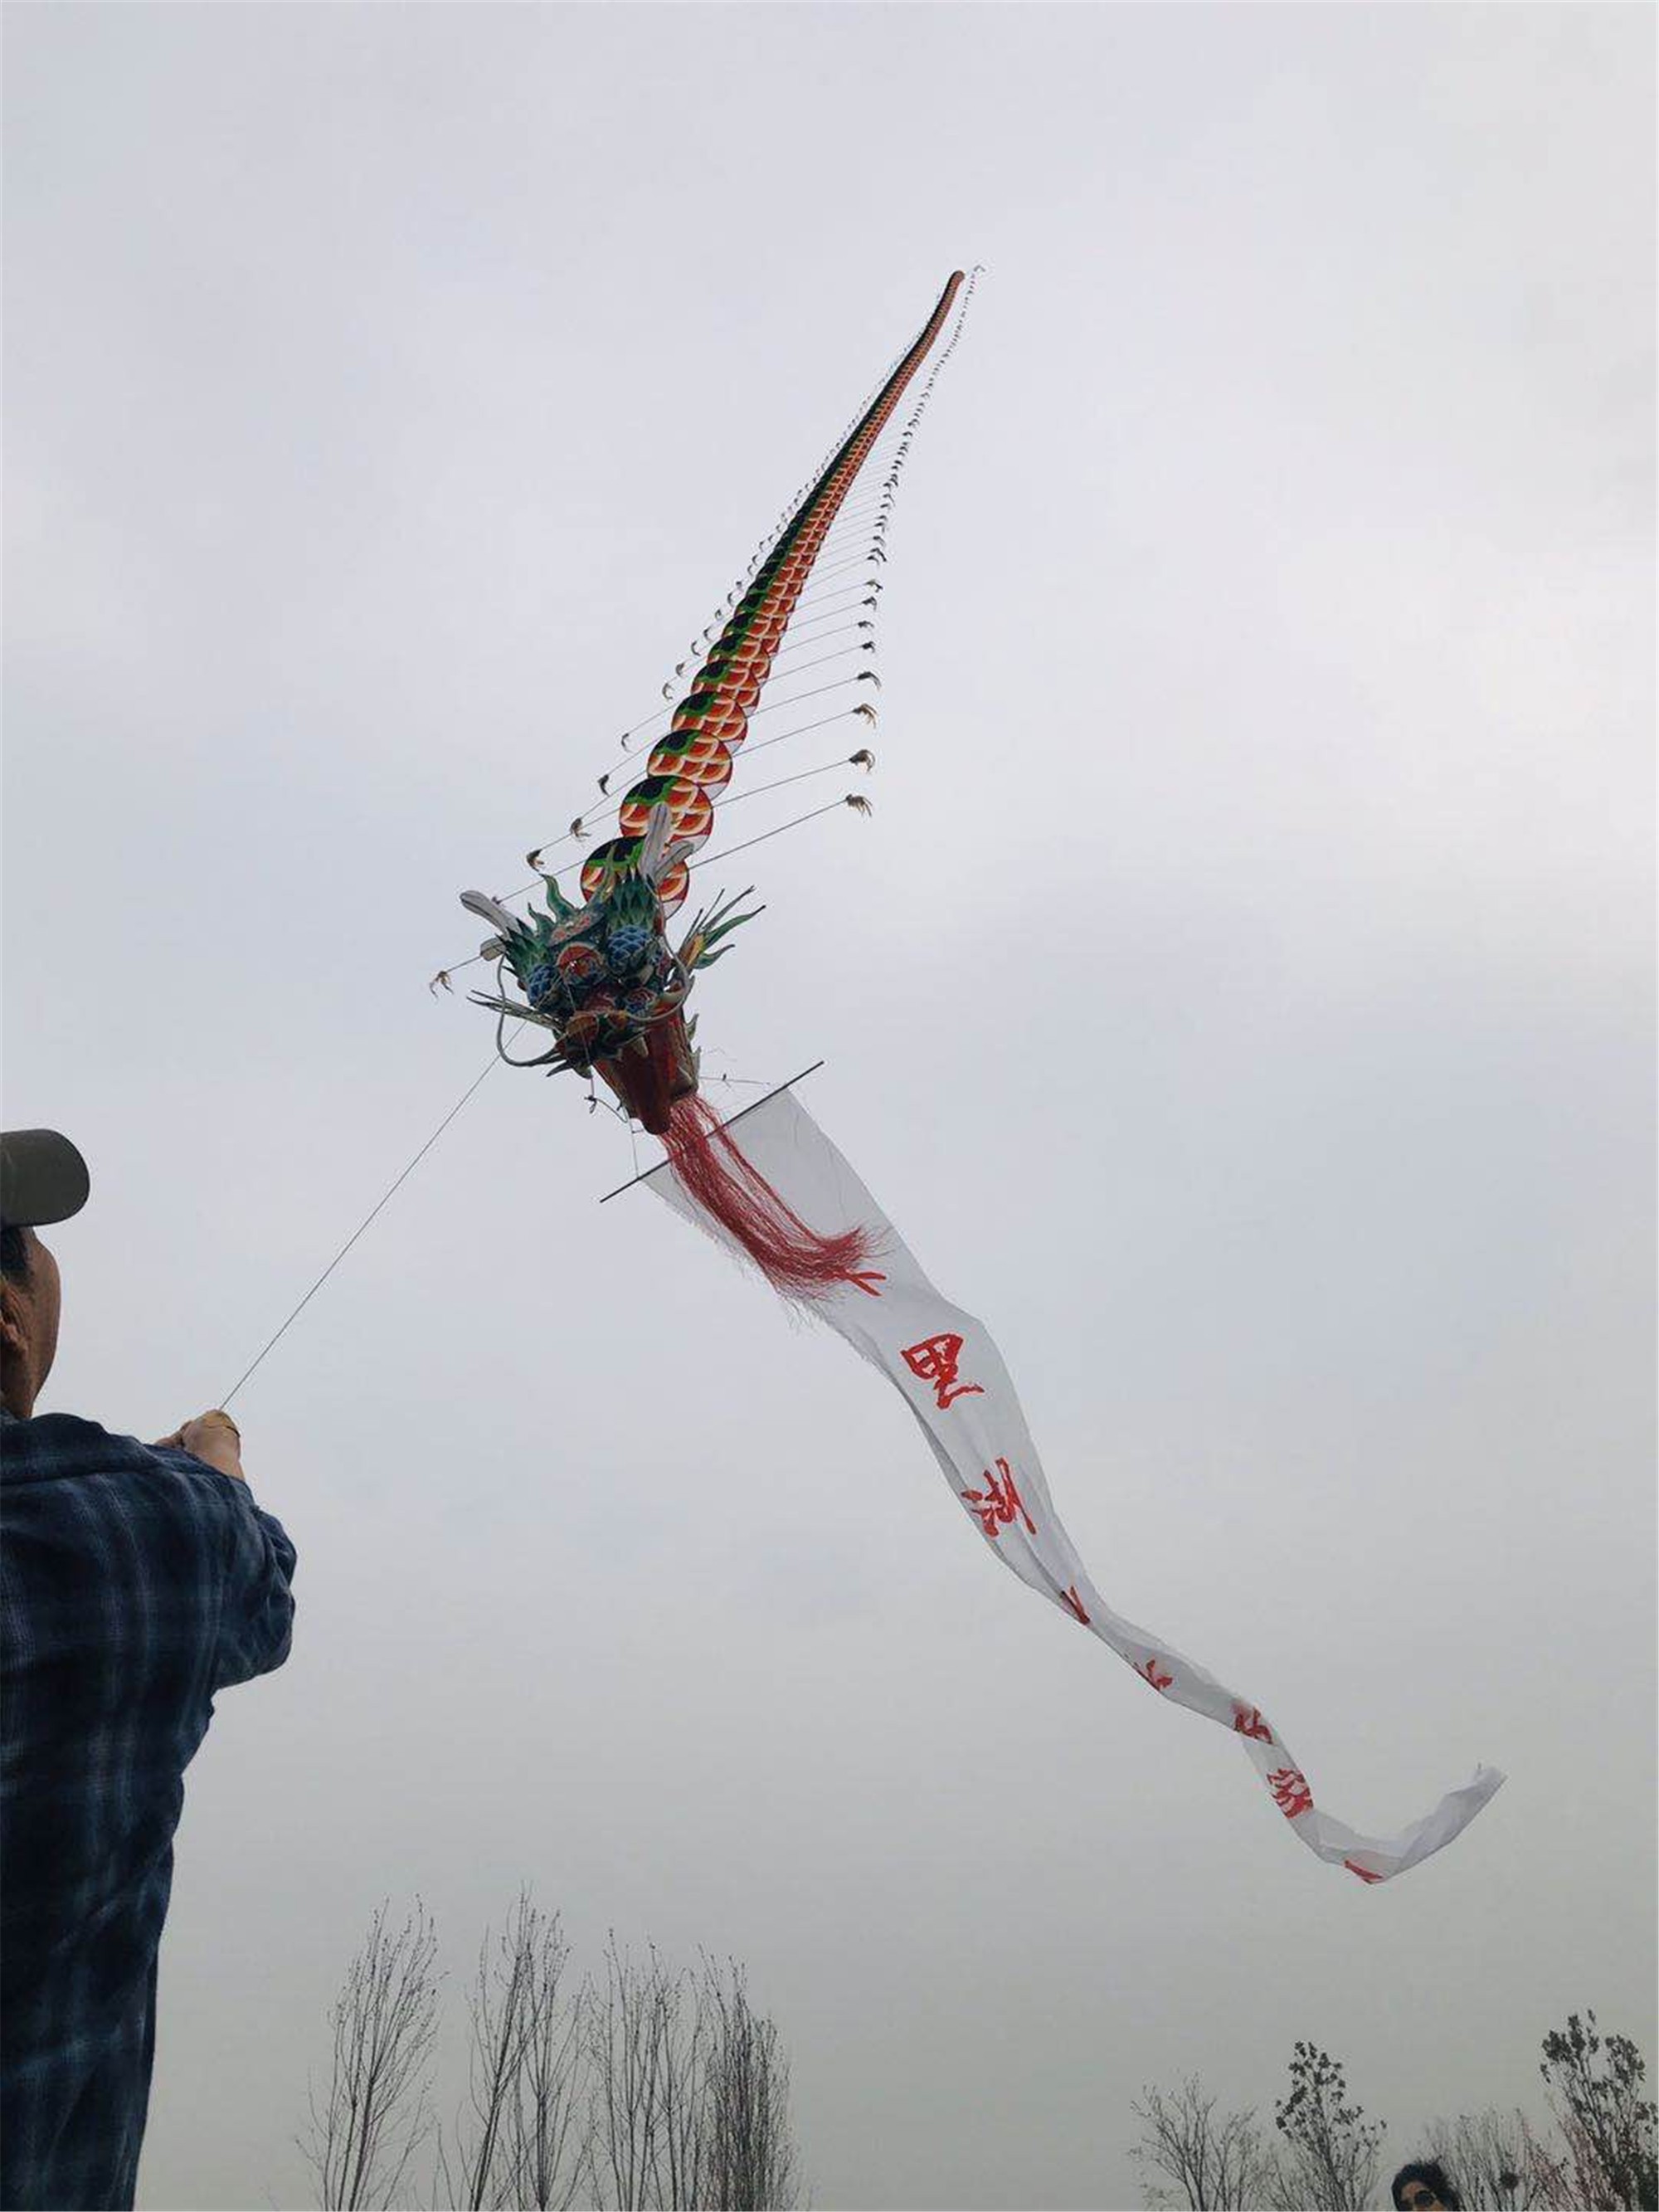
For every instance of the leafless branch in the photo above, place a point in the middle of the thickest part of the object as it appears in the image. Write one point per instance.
(1493, 2159)
(751, 2161)
(550, 2146)
(626, 2017)
(375, 2114)
(499, 2005)
(1219, 2161)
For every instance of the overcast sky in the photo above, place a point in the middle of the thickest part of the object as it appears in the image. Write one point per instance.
(1240, 998)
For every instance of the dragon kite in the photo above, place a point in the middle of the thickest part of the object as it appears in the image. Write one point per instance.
(601, 976)
(600, 980)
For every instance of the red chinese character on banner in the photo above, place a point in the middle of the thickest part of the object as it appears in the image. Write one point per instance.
(1148, 1673)
(1291, 1792)
(1073, 1604)
(995, 1506)
(1364, 1873)
(1248, 1721)
(934, 1359)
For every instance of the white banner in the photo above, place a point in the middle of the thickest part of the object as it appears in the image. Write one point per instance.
(950, 1375)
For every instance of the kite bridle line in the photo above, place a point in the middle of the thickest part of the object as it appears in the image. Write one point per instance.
(855, 800)
(629, 757)
(868, 587)
(574, 837)
(824, 722)
(798, 698)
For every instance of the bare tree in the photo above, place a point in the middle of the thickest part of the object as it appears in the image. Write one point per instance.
(750, 2162)
(1219, 2161)
(1493, 2159)
(1608, 2162)
(690, 2092)
(375, 2114)
(654, 2091)
(550, 2149)
(1330, 2159)
(679, 2179)
(629, 2020)
(499, 2005)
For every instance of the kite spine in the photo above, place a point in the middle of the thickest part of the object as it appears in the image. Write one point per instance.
(694, 761)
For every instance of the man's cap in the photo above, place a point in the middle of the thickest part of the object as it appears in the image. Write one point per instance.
(43, 1179)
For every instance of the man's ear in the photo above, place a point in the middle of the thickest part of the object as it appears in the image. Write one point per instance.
(14, 1325)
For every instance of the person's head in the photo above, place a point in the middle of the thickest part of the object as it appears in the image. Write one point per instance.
(43, 1179)
(1423, 2187)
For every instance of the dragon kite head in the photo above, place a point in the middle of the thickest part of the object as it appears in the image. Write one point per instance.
(604, 978)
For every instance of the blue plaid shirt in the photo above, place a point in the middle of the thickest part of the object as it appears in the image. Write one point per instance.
(134, 1585)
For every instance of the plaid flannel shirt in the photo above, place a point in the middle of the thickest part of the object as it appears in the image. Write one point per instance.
(134, 1585)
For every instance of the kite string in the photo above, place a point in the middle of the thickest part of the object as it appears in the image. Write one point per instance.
(823, 585)
(630, 754)
(756, 790)
(768, 707)
(726, 851)
(358, 1232)
(752, 745)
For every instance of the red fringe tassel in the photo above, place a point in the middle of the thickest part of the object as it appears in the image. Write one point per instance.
(795, 1258)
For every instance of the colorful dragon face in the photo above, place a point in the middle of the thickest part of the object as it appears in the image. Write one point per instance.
(601, 976)
(604, 979)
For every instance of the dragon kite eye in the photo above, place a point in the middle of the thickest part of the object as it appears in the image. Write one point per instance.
(579, 963)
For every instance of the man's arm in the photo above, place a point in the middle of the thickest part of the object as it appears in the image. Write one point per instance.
(257, 1622)
(258, 1628)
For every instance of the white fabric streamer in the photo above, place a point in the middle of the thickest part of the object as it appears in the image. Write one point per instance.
(950, 1373)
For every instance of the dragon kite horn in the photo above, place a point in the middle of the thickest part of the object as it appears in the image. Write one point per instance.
(489, 909)
(654, 845)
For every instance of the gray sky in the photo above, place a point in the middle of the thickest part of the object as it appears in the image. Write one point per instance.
(1240, 998)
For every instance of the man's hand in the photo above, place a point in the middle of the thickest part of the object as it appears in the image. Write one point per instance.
(211, 1436)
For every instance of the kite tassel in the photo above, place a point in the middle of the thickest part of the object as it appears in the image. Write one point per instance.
(797, 1261)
